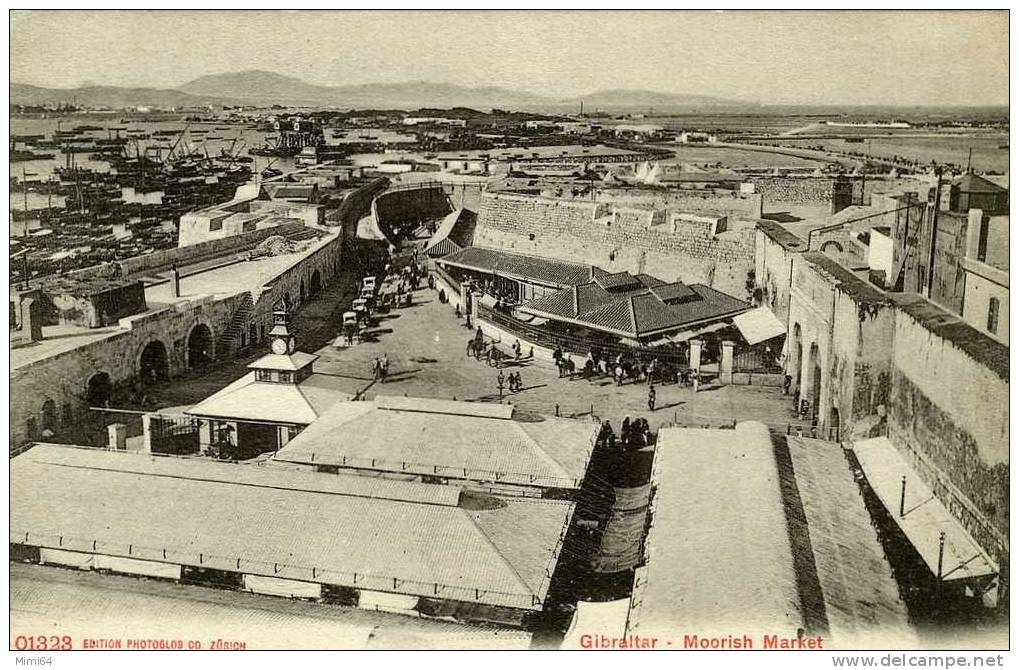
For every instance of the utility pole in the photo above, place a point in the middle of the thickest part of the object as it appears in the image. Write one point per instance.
(934, 234)
(969, 160)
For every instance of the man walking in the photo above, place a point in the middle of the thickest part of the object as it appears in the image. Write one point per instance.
(384, 367)
(651, 398)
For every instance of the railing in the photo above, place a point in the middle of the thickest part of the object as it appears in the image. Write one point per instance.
(445, 276)
(570, 343)
(753, 360)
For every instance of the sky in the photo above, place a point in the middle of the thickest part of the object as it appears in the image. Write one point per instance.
(829, 57)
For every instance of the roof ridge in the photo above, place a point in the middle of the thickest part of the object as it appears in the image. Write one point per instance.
(498, 552)
(536, 446)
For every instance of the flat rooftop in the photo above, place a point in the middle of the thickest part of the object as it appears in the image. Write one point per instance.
(231, 276)
(719, 557)
(397, 537)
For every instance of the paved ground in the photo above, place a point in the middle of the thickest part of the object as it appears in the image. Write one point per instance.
(426, 344)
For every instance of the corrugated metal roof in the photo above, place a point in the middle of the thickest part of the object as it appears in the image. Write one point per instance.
(449, 442)
(500, 554)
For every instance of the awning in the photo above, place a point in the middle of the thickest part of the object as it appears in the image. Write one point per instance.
(758, 325)
(607, 618)
(529, 318)
(684, 335)
(922, 517)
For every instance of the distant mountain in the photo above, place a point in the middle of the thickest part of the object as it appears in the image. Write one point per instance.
(261, 87)
(628, 99)
(110, 96)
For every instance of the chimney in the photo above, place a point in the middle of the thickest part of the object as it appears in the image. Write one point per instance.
(174, 281)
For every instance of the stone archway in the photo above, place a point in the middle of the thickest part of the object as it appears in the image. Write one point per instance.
(154, 363)
(796, 364)
(98, 390)
(49, 416)
(814, 370)
(200, 349)
(303, 294)
(315, 283)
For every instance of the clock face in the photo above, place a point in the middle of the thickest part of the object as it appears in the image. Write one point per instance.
(279, 347)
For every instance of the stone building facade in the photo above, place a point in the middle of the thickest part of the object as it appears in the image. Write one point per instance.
(638, 240)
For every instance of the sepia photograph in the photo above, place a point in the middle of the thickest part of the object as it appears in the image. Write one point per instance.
(487, 330)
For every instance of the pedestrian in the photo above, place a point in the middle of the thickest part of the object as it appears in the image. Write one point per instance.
(569, 366)
(501, 381)
(557, 356)
(470, 347)
(530, 355)
(624, 432)
(559, 366)
(651, 398)
(516, 349)
(787, 382)
(619, 375)
(520, 383)
(384, 367)
(375, 367)
(695, 375)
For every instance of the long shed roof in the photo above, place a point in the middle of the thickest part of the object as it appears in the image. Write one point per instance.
(386, 536)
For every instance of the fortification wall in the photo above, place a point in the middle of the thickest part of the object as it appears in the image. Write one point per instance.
(409, 204)
(586, 232)
(727, 203)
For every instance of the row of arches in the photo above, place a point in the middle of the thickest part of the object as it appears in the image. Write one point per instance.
(806, 380)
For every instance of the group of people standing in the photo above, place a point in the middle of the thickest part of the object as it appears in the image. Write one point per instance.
(380, 368)
(633, 434)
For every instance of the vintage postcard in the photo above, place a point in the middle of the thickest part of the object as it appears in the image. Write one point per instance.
(493, 330)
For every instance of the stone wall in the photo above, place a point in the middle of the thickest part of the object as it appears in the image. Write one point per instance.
(952, 411)
(356, 204)
(63, 378)
(811, 191)
(727, 202)
(589, 232)
(410, 204)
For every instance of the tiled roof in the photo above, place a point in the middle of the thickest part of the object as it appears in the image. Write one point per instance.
(443, 247)
(971, 183)
(292, 525)
(651, 307)
(533, 268)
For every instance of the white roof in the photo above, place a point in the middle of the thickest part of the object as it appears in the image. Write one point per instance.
(460, 440)
(291, 362)
(758, 325)
(926, 517)
(288, 524)
(718, 553)
(273, 402)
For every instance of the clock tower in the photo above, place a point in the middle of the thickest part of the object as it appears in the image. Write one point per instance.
(284, 365)
(283, 342)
